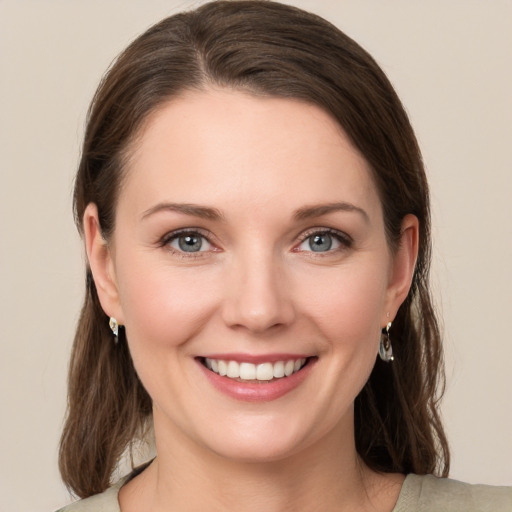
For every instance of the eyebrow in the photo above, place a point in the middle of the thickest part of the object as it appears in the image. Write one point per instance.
(203, 212)
(318, 210)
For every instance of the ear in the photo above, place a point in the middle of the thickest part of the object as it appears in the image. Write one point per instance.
(403, 265)
(100, 260)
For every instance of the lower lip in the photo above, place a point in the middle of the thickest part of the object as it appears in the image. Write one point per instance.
(265, 391)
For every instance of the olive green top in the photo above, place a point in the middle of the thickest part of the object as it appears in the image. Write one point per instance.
(423, 493)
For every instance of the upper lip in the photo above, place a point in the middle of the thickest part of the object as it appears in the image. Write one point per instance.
(257, 358)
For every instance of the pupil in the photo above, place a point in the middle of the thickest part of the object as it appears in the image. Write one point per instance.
(189, 243)
(319, 243)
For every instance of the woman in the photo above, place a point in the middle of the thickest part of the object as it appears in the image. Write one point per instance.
(256, 220)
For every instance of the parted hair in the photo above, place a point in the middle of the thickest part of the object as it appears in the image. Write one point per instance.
(266, 49)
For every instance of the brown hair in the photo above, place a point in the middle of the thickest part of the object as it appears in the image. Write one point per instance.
(270, 49)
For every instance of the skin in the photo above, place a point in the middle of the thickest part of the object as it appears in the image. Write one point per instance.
(256, 287)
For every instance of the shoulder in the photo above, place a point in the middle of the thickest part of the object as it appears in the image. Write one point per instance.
(105, 502)
(427, 493)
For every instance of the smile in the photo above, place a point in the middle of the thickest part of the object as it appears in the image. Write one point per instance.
(249, 372)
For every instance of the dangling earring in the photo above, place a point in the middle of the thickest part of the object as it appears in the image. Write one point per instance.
(385, 349)
(114, 326)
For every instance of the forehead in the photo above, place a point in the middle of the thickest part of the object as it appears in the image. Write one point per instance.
(233, 147)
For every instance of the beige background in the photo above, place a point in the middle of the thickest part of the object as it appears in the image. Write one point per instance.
(451, 64)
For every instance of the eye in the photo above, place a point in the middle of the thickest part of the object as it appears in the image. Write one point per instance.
(319, 242)
(188, 242)
(324, 241)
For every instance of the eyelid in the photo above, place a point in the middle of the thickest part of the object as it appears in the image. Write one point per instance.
(345, 239)
(170, 236)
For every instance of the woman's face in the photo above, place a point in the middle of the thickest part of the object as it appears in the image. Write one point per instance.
(249, 238)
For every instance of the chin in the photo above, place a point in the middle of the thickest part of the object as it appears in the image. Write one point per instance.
(263, 441)
(259, 452)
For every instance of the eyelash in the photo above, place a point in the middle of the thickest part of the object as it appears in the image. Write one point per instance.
(168, 238)
(344, 239)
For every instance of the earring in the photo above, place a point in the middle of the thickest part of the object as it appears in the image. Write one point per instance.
(114, 326)
(385, 349)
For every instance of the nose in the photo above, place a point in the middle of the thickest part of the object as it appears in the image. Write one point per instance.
(258, 296)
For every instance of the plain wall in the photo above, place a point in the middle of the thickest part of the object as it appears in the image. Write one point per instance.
(451, 64)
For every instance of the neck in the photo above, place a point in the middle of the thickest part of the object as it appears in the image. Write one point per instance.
(326, 475)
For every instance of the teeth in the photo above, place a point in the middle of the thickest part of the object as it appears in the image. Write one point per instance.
(233, 370)
(222, 367)
(288, 368)
(249, 371)
(265, 371)
(279, 369)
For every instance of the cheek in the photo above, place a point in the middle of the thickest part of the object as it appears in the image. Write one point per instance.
(164, 306)
(164, 309)
(347, 304)
(346, 307)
